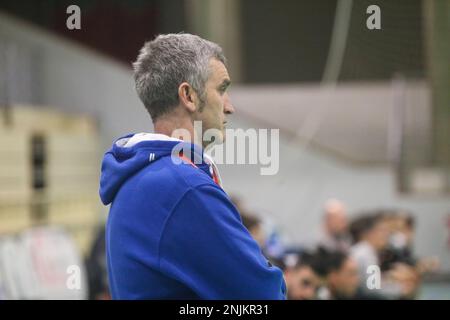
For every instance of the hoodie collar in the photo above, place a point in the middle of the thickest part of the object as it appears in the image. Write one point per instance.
(133, 152)
(132, 140)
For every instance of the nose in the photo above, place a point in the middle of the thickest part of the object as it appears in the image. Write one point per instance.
(228, 107)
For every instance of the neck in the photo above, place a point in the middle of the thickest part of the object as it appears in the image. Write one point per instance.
(178, 126)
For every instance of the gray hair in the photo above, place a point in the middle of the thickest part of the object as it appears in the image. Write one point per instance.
(166, 62)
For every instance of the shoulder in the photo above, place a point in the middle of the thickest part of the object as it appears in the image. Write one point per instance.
(164, 173)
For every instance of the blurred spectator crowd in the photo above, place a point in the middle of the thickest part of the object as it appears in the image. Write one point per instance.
(368, 257)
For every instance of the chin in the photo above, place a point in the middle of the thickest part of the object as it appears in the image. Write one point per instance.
(221, 138)
(217, 135)
(221, 133)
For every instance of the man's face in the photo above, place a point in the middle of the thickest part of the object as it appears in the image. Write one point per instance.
(301, 283)
(337, 222)
(345, 281)
(217, 103)
(379, 235)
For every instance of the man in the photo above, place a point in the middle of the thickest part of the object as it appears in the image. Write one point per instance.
(399, 249)
(339, 273)
(301, 280)
(255, 227)
(172, 231)
(371, 234)
(335, 234)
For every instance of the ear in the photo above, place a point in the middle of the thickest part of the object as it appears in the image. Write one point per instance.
(188, 96)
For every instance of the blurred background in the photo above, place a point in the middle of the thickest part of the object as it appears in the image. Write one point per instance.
(364, 119)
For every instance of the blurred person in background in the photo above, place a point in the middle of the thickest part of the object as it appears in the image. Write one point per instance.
(96, 268)
(371, 236)
(301, 280)
(335, 233)
(252, 222)
(399, 253)
(267, 238)
(401, 236)
(339, 273)
(254, 226)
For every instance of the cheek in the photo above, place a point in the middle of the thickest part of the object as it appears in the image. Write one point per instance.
(218, 104)
(217, 100)
(212, 103)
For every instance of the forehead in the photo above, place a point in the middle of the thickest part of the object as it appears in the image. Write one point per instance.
(218, 71)
(305, 271)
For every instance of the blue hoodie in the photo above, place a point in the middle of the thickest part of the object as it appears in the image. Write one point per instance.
(172, 232)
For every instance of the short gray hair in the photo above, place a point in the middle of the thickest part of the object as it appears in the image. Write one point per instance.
(166, 62)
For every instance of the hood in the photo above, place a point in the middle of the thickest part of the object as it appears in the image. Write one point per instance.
(133, 152)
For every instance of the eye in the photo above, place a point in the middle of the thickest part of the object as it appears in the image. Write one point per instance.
(222, 88)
